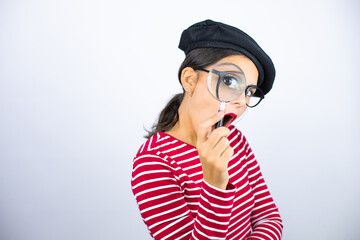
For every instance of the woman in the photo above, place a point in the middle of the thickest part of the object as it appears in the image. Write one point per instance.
(191, 179)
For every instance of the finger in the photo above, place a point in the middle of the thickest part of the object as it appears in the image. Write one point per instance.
(217, 134)
(227, 154)
(214, 137)
(221, 146)
(205, 127)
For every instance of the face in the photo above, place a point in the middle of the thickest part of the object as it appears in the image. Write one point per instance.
(202, 105)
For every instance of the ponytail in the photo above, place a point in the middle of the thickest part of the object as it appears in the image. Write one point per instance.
(168, 116)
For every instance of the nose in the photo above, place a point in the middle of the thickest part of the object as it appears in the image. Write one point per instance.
(240, 101)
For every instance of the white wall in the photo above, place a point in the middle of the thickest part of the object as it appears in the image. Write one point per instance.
(80, 79)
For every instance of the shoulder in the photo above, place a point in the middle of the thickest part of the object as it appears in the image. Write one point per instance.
(236, 137)
(150, 163)
(150, 150)
(240, 144)
(154, 144)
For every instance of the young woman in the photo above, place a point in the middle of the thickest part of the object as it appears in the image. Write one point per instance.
(192, 179)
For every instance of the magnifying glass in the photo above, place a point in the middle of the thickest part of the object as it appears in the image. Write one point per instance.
(226, 82)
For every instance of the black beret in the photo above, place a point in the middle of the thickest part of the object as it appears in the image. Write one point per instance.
(211, 34)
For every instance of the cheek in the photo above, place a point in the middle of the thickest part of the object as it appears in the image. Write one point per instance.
(204, 106)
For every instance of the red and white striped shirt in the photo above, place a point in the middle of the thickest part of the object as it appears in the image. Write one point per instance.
(176, 203)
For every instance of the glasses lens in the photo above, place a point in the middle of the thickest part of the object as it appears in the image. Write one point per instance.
(254, 101)
(226, 82)
(252, 98)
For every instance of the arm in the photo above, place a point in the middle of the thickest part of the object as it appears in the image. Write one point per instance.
(265, 218)
(157, 190)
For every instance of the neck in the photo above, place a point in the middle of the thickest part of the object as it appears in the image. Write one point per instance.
(183, 129)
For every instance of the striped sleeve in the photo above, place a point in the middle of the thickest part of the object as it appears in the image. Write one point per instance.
(158, 192)
(265, 218)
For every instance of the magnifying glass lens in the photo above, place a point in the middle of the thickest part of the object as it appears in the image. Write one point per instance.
(226, 82)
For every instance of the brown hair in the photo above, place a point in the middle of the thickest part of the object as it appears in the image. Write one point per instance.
(197, 58)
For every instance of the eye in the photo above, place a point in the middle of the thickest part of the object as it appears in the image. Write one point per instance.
(250, 91)
(231, 81)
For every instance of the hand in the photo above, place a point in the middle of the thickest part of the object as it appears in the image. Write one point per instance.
(214, 151)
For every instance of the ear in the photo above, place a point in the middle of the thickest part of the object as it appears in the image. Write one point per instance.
(189, 79)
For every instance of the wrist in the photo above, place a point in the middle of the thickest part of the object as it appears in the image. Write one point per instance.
(221, 185)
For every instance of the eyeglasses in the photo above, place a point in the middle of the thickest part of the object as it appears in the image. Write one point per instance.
(231, 84)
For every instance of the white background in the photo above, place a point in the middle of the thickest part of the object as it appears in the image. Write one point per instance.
(80, 79)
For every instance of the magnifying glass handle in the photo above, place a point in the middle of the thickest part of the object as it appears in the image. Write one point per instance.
(221, 122)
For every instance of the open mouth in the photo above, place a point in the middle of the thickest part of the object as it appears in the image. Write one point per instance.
(229, 118)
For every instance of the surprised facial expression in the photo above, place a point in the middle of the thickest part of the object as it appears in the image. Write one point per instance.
(203, 104)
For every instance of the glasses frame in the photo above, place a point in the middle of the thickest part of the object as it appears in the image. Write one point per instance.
(259, 93)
